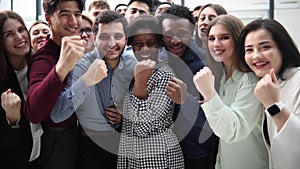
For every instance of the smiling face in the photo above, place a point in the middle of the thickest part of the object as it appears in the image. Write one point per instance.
(38, 35)
(96, 11)
(221, 45)
(87, 34)
(65, 21)
(111, 40)
(145, 45)
(135, 9)
(205, 17)
(16, 39)
(177, 35)
(262, 53)
(121, 10)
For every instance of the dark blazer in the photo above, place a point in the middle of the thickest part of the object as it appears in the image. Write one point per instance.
(15, 143)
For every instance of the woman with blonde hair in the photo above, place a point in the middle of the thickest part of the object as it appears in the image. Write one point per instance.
(233, 113)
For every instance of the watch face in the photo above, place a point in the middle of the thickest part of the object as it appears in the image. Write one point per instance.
(274, 109)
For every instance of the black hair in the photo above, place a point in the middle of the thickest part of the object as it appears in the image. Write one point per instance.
(288, 49)
(50, 6)
(106, 17)
(148, 2)
(177, 12)
(120, 5)
(161, 3)
(197, 8)
(145, 21)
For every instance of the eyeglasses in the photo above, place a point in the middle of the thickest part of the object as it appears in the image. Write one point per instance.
(86, 30)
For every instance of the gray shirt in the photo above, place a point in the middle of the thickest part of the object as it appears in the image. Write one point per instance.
(89, 102)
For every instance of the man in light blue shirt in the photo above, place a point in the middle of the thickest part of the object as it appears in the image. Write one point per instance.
(98, 102)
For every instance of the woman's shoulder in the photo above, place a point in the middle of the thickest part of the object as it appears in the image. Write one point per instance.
(249, 78)
(291, 75)
(164, 69)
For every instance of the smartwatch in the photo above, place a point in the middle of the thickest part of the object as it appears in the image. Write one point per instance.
(275, 108)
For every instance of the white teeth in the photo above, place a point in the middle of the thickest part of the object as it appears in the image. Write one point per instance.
(145, 56)
(20, 45)
(261, 63)
(41, 41)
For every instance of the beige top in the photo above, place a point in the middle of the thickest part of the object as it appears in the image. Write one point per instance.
(285, 148)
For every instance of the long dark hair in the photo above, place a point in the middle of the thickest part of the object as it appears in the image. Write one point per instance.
(4, 61)
(286, 45)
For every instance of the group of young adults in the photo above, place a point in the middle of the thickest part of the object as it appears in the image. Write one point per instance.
(131, 89)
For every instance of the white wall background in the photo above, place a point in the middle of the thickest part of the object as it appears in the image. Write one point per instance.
(286, 12)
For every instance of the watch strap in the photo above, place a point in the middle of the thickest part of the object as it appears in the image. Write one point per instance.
(275, 108)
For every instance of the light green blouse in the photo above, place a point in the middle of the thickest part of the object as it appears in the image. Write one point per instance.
(235, 116)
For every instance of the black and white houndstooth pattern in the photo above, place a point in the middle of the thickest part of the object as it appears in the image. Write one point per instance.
(147, 140)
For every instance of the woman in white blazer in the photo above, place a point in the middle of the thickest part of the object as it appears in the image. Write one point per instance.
(267, 49)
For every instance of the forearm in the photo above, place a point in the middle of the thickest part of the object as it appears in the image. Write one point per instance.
(140, 89)
(232, 123)
(190, 108)
(69, 101)
(42, 95)
(281, 118)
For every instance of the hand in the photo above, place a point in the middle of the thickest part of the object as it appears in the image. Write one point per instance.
(204, 81)
(11, 103)
(267, 89)
(95, 73)
(177, 91)
(113, 115)
(72, 49)
(142, 73)
(143, 70)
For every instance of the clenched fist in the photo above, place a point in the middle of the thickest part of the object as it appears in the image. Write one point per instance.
(72, 49)
(204, 81)
(11, 103)
(144, 69)
(95, 73)
(142, 73)
(177, 91)
(267, 89)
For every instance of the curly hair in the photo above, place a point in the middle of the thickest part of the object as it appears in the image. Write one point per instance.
(177, 12)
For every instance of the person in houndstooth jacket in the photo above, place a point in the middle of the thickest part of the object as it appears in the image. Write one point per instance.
(147, 139)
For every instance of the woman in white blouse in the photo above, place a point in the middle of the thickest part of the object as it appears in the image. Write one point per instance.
(266, 48)
(233, 112)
